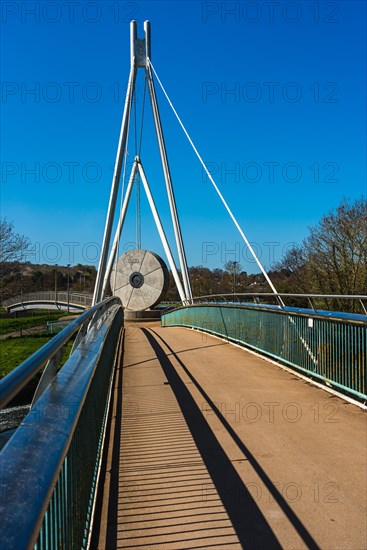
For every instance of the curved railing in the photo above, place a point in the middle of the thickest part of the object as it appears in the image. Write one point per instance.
(265, 297)
(65, 298)
(50, 466)
(326, 345)
(51, 353)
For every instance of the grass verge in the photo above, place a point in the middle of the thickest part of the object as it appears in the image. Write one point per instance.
(16, 350)
(22, 323)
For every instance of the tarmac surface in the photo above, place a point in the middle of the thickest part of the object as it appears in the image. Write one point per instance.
(212, 446)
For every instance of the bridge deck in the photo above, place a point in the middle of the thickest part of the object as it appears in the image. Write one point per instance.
(211, 447)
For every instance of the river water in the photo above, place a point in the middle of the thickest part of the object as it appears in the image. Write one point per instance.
(9, 420)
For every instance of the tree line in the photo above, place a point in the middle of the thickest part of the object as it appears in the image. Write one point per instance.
(332, 259)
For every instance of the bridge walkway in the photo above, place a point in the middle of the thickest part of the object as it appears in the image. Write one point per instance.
(212, 446)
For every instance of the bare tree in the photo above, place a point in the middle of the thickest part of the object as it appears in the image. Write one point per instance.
(234, 268)
(336, 250)
(13, 246)
(290, 274)
(332, 259)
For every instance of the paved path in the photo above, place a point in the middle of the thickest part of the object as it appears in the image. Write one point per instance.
(218, 448)
(23, 332)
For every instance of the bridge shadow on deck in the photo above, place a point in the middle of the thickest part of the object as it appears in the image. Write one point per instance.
(249, 523)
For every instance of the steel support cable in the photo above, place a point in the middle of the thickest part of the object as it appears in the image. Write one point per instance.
(138, 153)
(98, 289)
(142, 116)
(137, 180)
(168, 182)
(217, 190)
(280, 301)
(117, 251)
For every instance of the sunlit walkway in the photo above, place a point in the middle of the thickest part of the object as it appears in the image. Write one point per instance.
(212, 446)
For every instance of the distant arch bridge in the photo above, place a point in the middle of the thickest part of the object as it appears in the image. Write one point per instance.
(63, 301)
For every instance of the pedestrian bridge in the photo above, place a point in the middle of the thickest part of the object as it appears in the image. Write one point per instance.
(230, 424)
(64, 301)
(202, 431)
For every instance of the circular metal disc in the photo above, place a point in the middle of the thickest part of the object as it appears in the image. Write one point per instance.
(140, 279)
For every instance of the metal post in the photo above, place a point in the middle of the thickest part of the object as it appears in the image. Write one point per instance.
(120, 226)
(68, 285)
(97, 296)
(21, 284)
(148, 49)
(162, 234)
(166, 169)
(56, 285)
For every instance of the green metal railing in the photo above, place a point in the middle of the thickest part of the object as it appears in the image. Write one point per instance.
(50, 466)
(325, 345)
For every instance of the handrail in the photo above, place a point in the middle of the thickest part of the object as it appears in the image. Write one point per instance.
(230, 298)
(12, 383)
(225, 297)
(50, 466)
(328, 346)
(286, 294)
(50, 295)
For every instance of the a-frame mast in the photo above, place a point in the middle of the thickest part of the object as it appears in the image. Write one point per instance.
(140, 50)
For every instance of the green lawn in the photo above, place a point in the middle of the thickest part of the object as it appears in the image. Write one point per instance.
(20, 323)
(16, 350)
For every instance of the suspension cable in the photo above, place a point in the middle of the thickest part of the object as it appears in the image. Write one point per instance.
(137, 184)
(142, 115)
(117, 251)
(138, 153)
(217, 189)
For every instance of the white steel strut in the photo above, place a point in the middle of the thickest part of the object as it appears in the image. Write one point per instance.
(137, 167)
(140, 50)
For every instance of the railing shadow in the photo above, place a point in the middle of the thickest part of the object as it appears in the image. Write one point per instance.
(112, 525)
(250, 524)
(247, 519)
(113, 430)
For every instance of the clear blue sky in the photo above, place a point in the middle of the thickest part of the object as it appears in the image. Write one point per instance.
(273, 95)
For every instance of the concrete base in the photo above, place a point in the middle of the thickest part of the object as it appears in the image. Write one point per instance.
(146, 315)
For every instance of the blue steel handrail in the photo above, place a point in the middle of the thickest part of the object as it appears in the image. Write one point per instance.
(359, 297)
(234, 297)
(238, 300)
(50, 466)
(12, 383)
(285, 310)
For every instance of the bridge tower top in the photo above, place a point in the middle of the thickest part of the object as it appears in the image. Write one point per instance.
(140, 48)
